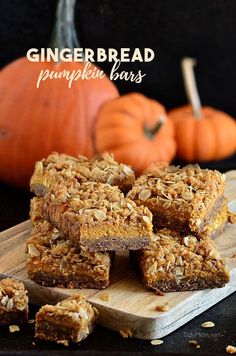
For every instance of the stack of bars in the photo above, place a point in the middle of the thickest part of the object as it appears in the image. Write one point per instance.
(189, 210)
(86, 210)
(81, 217)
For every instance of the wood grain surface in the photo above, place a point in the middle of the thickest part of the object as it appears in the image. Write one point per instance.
(131, 307)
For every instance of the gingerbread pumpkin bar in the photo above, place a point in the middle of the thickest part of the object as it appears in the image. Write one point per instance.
(54, 261)
(70, 320)
(175, 262)
(97, 216)
(188, 199)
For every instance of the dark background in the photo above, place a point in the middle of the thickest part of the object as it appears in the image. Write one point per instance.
(204, 29)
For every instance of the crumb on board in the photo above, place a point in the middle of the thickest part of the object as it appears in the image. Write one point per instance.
(157, 342)
(163, 307)
(194, 343)
(234, 255)
(63, 342)
(159, 292)
(31, 321)
(208, 324)
(106, 297)
(14, 328)
(231, 349)
(126, 333)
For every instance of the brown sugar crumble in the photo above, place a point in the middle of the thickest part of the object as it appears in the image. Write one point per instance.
(59, 167)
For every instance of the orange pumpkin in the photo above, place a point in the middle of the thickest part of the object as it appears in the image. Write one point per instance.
(136, 130)
(36, 121)
(202, 133)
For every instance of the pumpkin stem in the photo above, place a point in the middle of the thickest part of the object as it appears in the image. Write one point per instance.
(187, 65)
(64, 33)
(151, 132)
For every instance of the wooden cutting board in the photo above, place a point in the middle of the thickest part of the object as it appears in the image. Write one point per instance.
(131, 307)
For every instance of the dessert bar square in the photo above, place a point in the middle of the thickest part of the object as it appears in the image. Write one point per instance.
(13, 302)
(97, 216)
(58, 167)
(187, 198)
(174, 262)
(54, 261)
(70, 320)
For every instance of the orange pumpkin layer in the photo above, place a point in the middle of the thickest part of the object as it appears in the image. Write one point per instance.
(136, 130)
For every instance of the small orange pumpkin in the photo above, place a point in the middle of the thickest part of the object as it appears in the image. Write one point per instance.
(36, 121)
(136, 130)
(202, 133)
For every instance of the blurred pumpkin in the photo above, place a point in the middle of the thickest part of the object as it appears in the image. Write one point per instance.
(36, 121)
(202, 133)
(136, 130)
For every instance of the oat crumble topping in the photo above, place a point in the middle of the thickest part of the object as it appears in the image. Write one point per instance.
(59, 167)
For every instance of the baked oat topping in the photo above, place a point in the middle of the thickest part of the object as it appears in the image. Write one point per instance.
(59, 167)
(98, 202)
(75, 307)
